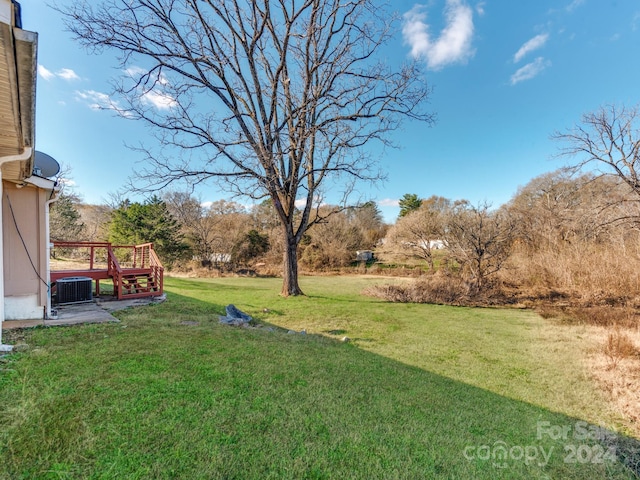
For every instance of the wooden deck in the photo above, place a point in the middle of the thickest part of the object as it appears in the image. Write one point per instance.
(143, 275)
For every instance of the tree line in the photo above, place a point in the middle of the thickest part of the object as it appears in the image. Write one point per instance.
(556, 232)
(573, 229)
(221, 235)
(553, 217)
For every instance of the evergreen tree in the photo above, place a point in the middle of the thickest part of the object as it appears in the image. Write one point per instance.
(408, 203)
(137, 223)
(251, 246)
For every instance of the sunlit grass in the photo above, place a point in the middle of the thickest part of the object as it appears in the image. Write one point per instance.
(488, 348)
(153, 397)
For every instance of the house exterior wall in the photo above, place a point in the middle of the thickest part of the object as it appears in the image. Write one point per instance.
(25, 261)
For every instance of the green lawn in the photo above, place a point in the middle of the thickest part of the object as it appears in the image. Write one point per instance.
(421, 391)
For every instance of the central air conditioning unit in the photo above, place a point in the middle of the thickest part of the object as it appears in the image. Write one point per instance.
(74, 290)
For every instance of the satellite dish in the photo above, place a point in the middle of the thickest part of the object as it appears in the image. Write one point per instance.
(45, 165)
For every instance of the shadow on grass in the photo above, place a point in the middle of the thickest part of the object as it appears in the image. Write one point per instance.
(151, 398)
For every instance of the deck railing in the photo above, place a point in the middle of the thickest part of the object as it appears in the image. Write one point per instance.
(137, 260)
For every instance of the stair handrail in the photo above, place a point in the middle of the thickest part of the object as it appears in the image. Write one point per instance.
(115, 270)
(157, 269)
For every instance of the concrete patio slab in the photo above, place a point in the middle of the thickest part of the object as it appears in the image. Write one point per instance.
(97, 311)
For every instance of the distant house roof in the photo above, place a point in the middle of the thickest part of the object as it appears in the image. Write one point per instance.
(18, 70)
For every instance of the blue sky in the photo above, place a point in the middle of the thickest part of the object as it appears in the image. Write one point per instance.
(505, 75)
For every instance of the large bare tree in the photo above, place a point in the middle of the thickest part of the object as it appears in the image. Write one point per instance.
(607, 142)
(419, 230)
(273, 98)
(479, 239)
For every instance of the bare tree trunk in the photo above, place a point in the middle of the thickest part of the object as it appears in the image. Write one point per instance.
(290, 286)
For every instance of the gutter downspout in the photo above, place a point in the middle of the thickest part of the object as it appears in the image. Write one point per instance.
(48, 249)
(25, 155)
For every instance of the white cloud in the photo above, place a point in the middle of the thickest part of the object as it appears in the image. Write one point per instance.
(67, 182)
(568, 8)
(101, 101)
(530, 70)
(135, 70)
(98, 101)
(318, 201)
(154, 97)
(389, 202)
(159, 100)
(533, 44)
(64, 73)
(573, 5)
(415, 31)
(480, 8)
(453, 45)
(67, 74)
(44, 73)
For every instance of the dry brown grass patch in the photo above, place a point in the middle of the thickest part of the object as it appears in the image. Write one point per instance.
(573, 313)
(615, 366)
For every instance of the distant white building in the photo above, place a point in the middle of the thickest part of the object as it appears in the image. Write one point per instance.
(214, 257)
(436, 244)
(220, 257)
(422, 244)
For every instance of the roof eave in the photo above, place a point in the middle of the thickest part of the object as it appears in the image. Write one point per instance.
(18, 74)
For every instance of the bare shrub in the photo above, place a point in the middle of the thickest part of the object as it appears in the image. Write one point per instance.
(547, 312)
(618, 346)
(577, 235)
(391, 293)
(479, 240)
(419, 231)
(586, 273)
(436, 289)
(374, 269)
